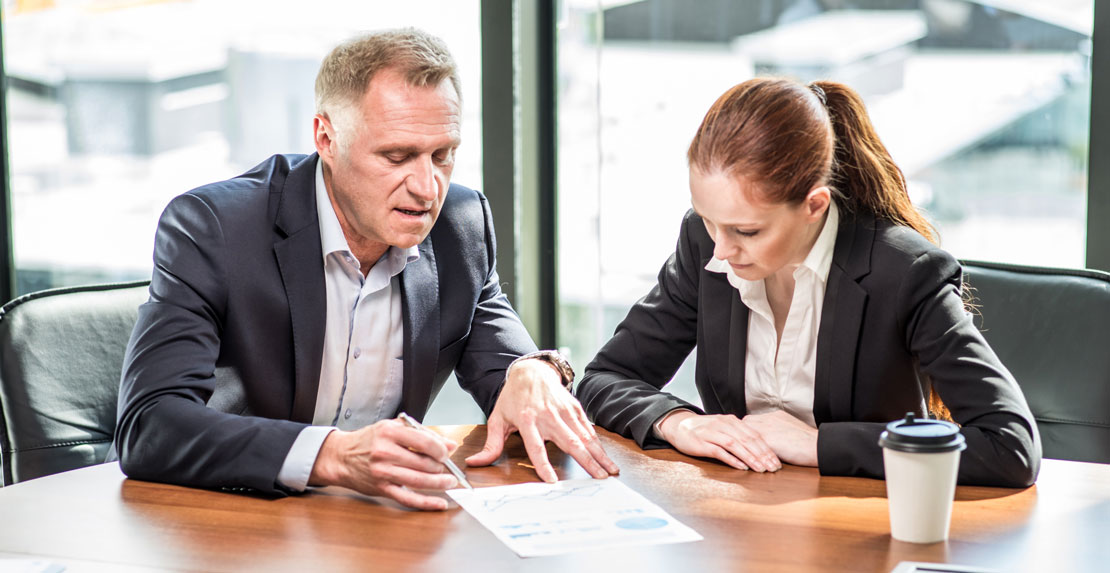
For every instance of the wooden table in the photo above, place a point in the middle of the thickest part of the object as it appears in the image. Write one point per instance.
(94, 519)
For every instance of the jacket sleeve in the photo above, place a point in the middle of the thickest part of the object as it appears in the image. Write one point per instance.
(1003, 447)
(622, 387)
(497, 336)
(165, 431)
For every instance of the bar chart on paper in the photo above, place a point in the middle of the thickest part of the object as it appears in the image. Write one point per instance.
(535, 519)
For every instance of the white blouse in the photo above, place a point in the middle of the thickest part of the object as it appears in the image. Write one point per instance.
(783, 380)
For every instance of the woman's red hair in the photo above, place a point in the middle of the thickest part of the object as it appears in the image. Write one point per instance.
(787, 138)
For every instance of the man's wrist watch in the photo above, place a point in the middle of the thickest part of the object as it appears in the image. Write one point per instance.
(556, 360)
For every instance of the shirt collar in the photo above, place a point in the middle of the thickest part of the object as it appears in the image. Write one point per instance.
(332, 239)
(819, 259)
(400, 258)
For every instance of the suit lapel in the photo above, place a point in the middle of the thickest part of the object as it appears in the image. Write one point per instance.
(420, 309)
(737, 356)
(301, 264)
(724, 325)
(841, 318)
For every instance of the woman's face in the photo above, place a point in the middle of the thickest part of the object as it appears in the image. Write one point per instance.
(756, 237)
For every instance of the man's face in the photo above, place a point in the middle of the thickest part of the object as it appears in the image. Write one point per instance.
(388, 166)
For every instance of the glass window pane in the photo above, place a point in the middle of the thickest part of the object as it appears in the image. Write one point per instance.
(115, 107)
(984, 104)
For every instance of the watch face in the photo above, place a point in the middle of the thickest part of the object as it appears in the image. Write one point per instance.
(557, 361)
(561, 365)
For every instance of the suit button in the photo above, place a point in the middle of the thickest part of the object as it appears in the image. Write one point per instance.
(347, 414)
(358, 352)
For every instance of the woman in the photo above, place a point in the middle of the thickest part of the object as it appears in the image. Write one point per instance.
(819, 304)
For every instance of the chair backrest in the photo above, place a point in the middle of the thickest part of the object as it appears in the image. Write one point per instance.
(1051, 328)
(61, 353)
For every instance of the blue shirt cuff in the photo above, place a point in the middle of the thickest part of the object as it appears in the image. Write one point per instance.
(298, 464)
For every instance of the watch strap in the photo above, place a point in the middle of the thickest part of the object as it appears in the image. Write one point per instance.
(556, 360)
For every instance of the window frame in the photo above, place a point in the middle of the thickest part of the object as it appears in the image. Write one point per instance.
(1098, 173)
(7, 256)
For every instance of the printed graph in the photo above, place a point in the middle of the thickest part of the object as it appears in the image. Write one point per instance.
(494, 504)
(548, 519)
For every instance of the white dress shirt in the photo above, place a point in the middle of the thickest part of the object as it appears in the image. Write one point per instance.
(361, 371)
(779, 374)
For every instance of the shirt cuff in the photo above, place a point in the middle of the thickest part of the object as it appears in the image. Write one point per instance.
(298, 464)
(655, 428)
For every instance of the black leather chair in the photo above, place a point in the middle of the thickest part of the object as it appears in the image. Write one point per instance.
(1051, 328)
(61, 353)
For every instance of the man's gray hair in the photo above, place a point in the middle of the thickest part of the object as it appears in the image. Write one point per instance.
(345, 74)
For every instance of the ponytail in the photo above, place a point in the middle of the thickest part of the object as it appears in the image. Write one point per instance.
(865, 173)
(862, 169)
(870, 180)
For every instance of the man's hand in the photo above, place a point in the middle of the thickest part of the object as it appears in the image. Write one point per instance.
(535, 403)
(793, 441)
(724, 437)
(385, 459)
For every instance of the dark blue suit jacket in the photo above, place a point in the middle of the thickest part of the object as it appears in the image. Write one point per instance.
(223, 366)
(892, 325)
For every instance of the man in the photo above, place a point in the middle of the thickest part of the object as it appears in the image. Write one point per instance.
(297, 308)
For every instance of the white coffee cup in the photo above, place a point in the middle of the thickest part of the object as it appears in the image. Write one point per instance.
(921, 458)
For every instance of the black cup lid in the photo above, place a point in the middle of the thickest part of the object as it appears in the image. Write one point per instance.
(917, 435)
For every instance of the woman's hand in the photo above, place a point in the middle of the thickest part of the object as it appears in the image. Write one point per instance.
(792, 440)
(724, 437)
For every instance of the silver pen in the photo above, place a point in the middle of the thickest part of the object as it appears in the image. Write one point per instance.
(451, 467)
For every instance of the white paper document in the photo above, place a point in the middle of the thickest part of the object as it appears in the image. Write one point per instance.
(536, 519)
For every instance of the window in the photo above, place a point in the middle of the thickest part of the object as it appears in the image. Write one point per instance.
(116, 107)
(984, 104)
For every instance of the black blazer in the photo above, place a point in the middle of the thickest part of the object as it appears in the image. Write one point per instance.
(892, 321)
(222, 370)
